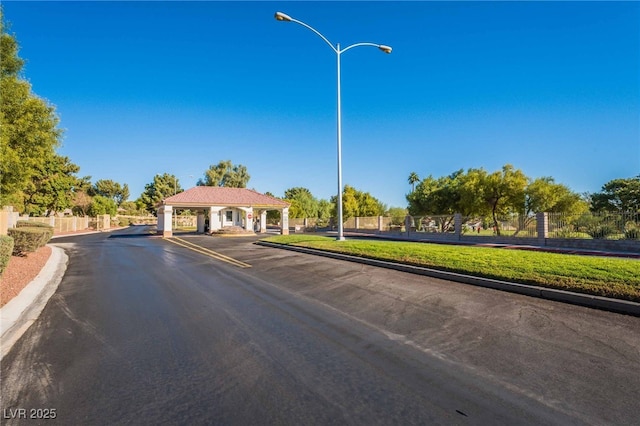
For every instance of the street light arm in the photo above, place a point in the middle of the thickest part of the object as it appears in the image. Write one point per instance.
(286, 18)
(385, 49)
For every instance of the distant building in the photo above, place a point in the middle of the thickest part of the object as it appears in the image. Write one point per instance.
(223, 207)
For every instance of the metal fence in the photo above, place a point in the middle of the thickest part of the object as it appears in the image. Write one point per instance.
(601, 225)
(610, 226)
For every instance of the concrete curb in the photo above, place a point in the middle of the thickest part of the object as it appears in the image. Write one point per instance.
(597, 302)
(21, 311)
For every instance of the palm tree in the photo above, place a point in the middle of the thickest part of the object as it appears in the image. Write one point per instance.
(413, 179)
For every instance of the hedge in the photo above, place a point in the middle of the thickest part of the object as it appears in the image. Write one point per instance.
(32, 224)
(29, 239)
(6, 248)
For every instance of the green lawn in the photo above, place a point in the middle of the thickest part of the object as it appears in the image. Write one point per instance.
(602, 276)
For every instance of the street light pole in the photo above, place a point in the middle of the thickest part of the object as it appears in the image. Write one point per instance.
(386, 49)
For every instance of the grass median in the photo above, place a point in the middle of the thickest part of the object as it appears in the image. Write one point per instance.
(601, 276)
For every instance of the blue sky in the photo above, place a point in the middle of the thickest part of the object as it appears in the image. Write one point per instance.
(151, 87)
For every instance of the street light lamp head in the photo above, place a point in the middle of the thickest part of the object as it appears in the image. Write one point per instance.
(385, 49)
(282, 17)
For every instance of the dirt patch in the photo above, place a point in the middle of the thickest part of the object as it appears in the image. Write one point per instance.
(21, 271)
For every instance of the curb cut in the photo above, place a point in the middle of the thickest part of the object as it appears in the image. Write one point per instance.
(597, 302)
(22, 311)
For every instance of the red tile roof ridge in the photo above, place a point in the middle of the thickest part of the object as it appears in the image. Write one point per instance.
(219, 195)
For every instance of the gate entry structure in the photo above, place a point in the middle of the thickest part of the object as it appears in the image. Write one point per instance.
(224, 207)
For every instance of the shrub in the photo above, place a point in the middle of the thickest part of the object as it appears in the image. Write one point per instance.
(6, 249)
(32, 224)
(28, 240)
(632, 231)
(124, 221)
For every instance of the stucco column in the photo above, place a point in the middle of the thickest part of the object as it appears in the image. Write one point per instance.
(214, 219)
(285, 221)
(542, 225)
(160, 223)
(248, 213)
(457, 224)
(167, 231)
(263, 221)
(200, 223)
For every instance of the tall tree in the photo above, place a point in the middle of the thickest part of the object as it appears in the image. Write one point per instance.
(504, 192)
(225, 174)
(357, 203)
(413, 179)
(51, 189)
(102, 205)
(545, 195)
(29, 125)
(303, 203)
(622, 195)
(110, 189)
(324, 209)
(163, 186)
(446, 195)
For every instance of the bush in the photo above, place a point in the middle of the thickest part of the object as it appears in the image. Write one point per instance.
(632, 231)
(32, 224)
(28, 240)
(124, 221)
(6, 249)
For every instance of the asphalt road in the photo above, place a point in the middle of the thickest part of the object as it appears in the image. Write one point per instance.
(147, 331)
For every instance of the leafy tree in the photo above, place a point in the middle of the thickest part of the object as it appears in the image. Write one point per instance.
(29, 125)
(81, 203)
(545, 195)
(102, 205)
(440, 196)
(437, 196)
(622, 195)
(81, 197)
(225, 174)
(163, 186)
(51, 188)
(397, 215)
(303, 203)
(325, 207)
(11, 64)
(503, 191)
(110, 189)
(131, 208)
(356, 203)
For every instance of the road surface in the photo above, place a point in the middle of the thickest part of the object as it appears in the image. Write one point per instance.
(203, 330)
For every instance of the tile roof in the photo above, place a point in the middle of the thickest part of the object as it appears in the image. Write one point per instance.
(203, 196)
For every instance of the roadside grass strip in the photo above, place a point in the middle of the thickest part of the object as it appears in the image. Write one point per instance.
(617, 278)
(207, 252)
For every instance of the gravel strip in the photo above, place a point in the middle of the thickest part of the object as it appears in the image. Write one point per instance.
(20, 271)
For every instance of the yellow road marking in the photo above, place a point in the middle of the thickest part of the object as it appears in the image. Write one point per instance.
(207, 252)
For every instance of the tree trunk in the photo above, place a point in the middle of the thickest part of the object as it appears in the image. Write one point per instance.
(496, 228)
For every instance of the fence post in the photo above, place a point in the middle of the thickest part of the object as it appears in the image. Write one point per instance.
(457, 225)
(542, 227)
(4, 221)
